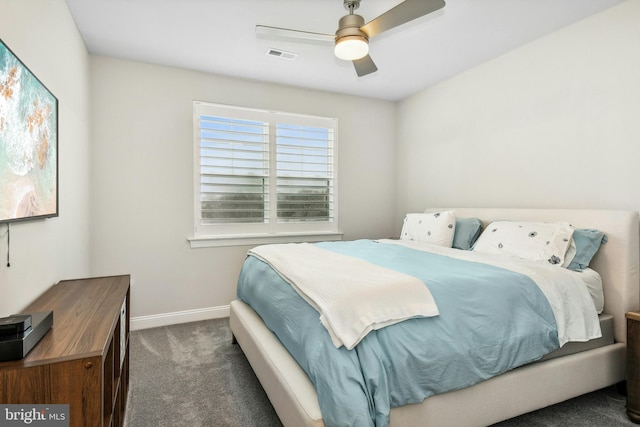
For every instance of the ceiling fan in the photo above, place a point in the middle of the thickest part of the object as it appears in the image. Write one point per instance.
(352, 37)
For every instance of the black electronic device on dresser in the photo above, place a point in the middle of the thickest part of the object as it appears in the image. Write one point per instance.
(19, 333)
(14, 324)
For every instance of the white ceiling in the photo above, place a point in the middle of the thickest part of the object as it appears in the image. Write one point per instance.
(218, 36)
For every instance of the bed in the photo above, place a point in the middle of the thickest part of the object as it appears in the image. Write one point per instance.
(526, 388)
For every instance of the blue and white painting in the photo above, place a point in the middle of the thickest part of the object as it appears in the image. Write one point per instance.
(28, 143)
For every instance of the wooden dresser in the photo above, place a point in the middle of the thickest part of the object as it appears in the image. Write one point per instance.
(83, 360)
(633, 366)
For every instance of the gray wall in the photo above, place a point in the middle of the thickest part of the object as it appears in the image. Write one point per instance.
(142, 180)
(552, 124)
(44, 36)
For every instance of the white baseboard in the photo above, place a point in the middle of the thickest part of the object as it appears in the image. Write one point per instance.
(164, 319)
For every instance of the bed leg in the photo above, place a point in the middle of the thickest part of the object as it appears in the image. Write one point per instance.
(233, 339)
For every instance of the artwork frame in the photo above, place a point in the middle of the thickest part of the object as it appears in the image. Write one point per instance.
(29, 173)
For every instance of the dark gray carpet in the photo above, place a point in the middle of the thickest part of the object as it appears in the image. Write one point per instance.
(601, 408)
(192, 375)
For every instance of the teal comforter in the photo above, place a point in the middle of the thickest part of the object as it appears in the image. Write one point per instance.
(491, 320)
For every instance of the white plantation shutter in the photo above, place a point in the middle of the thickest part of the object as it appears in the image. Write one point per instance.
(304, 173)
(262, 172)
(234, 170)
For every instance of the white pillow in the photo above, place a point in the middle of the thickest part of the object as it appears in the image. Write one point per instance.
(535, 241)
(571, 253)
(437, 228)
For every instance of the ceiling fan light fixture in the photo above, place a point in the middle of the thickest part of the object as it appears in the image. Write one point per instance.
(351, 48)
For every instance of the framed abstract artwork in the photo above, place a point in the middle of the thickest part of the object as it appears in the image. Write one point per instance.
(28, 143)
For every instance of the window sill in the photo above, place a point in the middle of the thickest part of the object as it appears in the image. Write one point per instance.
(260, 239)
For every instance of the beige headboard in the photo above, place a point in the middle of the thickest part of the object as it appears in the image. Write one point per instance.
(617, 261)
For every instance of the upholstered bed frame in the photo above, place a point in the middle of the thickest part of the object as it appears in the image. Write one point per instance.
(516, 392)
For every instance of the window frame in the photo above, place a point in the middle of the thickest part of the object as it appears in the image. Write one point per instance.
(272, 231)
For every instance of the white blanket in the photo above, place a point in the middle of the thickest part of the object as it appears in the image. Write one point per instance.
(352, 296)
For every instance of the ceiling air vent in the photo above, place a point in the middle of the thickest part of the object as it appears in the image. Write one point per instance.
(279, 53)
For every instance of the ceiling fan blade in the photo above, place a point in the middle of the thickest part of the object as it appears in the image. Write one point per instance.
(364, 66)
(406, 11)
(265, 30)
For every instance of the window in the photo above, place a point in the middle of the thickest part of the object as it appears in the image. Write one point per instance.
(263, 176)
